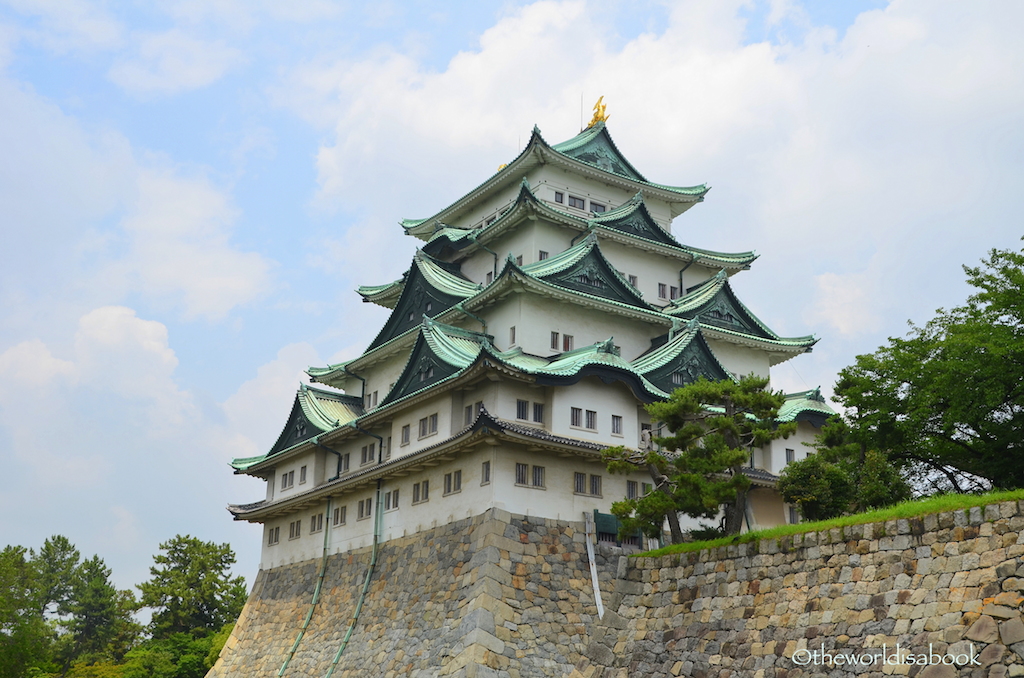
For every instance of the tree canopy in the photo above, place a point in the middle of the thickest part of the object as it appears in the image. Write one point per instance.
(950, 395)
(698, 469)
(190, 588)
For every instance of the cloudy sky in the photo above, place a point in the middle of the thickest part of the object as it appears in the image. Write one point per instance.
(190, 190)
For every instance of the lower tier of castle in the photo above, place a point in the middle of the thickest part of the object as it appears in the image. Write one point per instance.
(509, 596)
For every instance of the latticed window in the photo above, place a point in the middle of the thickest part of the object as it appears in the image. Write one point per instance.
(579, 483)
(522, 409)
(538, 476)
(576, 416)
(591, 419)
(522, 474)
(595, 485)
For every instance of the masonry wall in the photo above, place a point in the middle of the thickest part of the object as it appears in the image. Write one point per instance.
(499, 595)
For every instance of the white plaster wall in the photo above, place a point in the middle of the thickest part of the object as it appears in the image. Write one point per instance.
(536, 317)
(548, 179)
(527, 238)
(440, 405)
(774, 456)
(740, 360)
(650, 269)
(381, 376)
(591, 393)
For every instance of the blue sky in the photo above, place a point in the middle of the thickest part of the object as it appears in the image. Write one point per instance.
(191, 190)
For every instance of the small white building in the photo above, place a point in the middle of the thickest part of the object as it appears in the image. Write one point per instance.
(546, 307)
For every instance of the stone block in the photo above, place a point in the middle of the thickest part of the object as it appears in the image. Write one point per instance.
(1011, 631)
(984, 630)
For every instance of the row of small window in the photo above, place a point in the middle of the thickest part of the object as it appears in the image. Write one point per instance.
(578, 418)
(523, 411)
(288, 479)
(427, 427)
(580, 203)
(420, 494)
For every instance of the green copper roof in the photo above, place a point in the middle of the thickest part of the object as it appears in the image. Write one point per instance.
(430, 288)
(314, 411)
(584, 268)
(592, 147)
(681, 360)
(716, 306)
(805, 405)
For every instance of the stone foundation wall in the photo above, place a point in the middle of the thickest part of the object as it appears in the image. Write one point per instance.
(510, 597)
(496, 595)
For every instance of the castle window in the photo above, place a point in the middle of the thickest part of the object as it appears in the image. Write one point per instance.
(673, 292)
(790, 456)
(530, 477)
(632, 280)
(597, 207)
(287, 480)
(662, 291)
(616, 425)
(295, 529)
(542, 255)
(316, 523)
(678, 379)
(519, 260)
(452, 482)
(554, 341)
(595, 485)
(485, 473)
(538, 412)
(391, 500)
(421, 492)
(522, 409)
(592, 420)
(567, 342)
(428, 426)
(559, 197)
(578, 203)
(490, 277)
(794, 517)
(365, 508)
(584, 279)
(576, 417)
(632, 489)
(340, 515)
(512, 336)
(579, 483)
(343, 463)
(368, 455)
(302, 475)
(273, 536)
(469, 415)
(405, 435)
(387, 449)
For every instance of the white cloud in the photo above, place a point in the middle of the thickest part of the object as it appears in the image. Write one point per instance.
(178, 232)
(258, 409)
(65, 25)
(844, 302)
(172, 62)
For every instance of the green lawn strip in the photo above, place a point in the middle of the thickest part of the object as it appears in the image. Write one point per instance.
(907, 509)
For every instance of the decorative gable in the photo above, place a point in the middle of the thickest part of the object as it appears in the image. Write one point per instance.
(423, 369)
(595, 146)
(584, 269)
(421, 298)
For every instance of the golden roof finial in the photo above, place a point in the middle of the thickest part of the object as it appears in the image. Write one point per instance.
(599, 113)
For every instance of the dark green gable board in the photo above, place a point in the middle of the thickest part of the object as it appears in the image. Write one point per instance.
(693, 362)
(423, 369)
(601, 152)
(593, 275)
(298, 429)
(640, 223)
(724, 310)
(418, 299)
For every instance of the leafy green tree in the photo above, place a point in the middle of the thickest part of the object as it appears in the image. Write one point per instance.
(950, 395)
(698, 469)
(54, 565)
(842, 477)
(99, 622)
(191, 589)
(25, 638)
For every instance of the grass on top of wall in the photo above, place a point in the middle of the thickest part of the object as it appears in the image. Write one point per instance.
(907, 509)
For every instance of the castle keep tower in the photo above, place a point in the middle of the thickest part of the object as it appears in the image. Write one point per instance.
(544, 308)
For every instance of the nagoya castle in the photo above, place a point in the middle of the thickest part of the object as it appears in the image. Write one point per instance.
(540, 314)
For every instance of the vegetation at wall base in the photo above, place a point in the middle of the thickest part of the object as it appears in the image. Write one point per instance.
(61, 616)
(907, 509)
